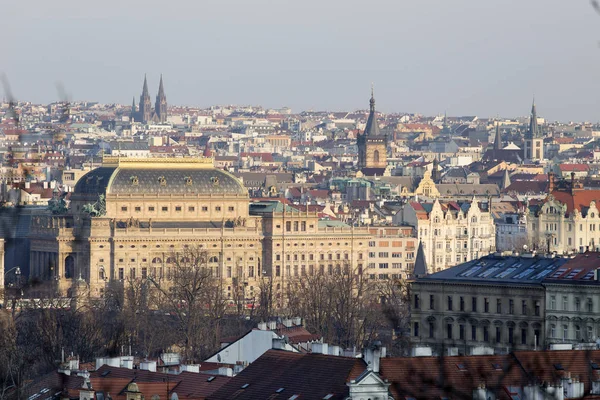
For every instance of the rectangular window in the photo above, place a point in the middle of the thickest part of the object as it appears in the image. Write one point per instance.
(431, 329)
(277, 270)
(288, 226)
(537, 308)
(473, 332)
(416, 329)
(553, 302)
(462, 303)
(123, 208)
(461, 332)
(416, 301)
(565, 303)
(474, 304)
(449, 304)
(191, 208)
(523, 336)
(565, 332)
(511, 306)
(296, 226)
(303, 226)
(204, 208)
(150, 208)
(218, 208)
(165, 209)
(177, 208)
(449, 331)
(498, 306)
(231, 208)
(144, 273)
(524, 307)
(577, 304)
(486, 305)
(138, 209)
(121, 274)
(498, 334)
(511, 334)
(431, 302)
(590, 305)
(486, 334)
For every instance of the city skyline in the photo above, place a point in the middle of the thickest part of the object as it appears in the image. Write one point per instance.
(464, 58)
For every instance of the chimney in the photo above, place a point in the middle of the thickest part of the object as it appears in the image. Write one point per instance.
(373, 355)
(148, 366)
(297, 321)
(319, 348)
(272, 325)
(287, 323)
(551, 183)
(262, 326)
(279, 343)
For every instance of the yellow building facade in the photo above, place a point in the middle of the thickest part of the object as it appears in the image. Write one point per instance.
(137, 218)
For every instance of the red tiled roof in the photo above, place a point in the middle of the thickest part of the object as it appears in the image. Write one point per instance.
(574, 167)
(577, 200)
(447, 377)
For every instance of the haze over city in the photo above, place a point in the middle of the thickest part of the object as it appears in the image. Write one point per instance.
(465, 57)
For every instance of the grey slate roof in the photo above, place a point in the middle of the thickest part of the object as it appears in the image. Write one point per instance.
(420, 269)
(501, 270)
(372, 128)
(148, 181)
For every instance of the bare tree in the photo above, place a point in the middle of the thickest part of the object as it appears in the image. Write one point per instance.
(339, 305)
(193, 294)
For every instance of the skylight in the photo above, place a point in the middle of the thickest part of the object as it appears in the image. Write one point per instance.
(573, 273)
(559, 272)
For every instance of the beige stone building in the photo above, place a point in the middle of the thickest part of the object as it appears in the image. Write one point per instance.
(135, 218)
(451, 232)
(567, 220)
(392, 252)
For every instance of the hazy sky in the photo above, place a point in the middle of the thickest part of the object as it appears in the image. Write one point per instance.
(481, 57)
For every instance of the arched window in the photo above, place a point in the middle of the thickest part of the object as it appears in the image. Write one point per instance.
(376, 156)
(69, 267)
(213, 259)
(156, 260)
(185, 260)
(171, 260)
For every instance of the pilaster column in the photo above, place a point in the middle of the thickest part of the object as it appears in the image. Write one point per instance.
(61, 265)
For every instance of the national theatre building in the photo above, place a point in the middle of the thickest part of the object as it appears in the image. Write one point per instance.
(131, 218)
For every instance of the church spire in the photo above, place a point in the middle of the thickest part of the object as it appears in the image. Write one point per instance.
(534, 130)
(145, 88)
(372, 128)
(133, 110)
(160, 107)
(498, 138)
(161, 90)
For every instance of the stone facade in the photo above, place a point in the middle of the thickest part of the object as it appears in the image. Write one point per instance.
(567, 221)
(145, 226)
(467, 315)
(508, 303)
(451, 233)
